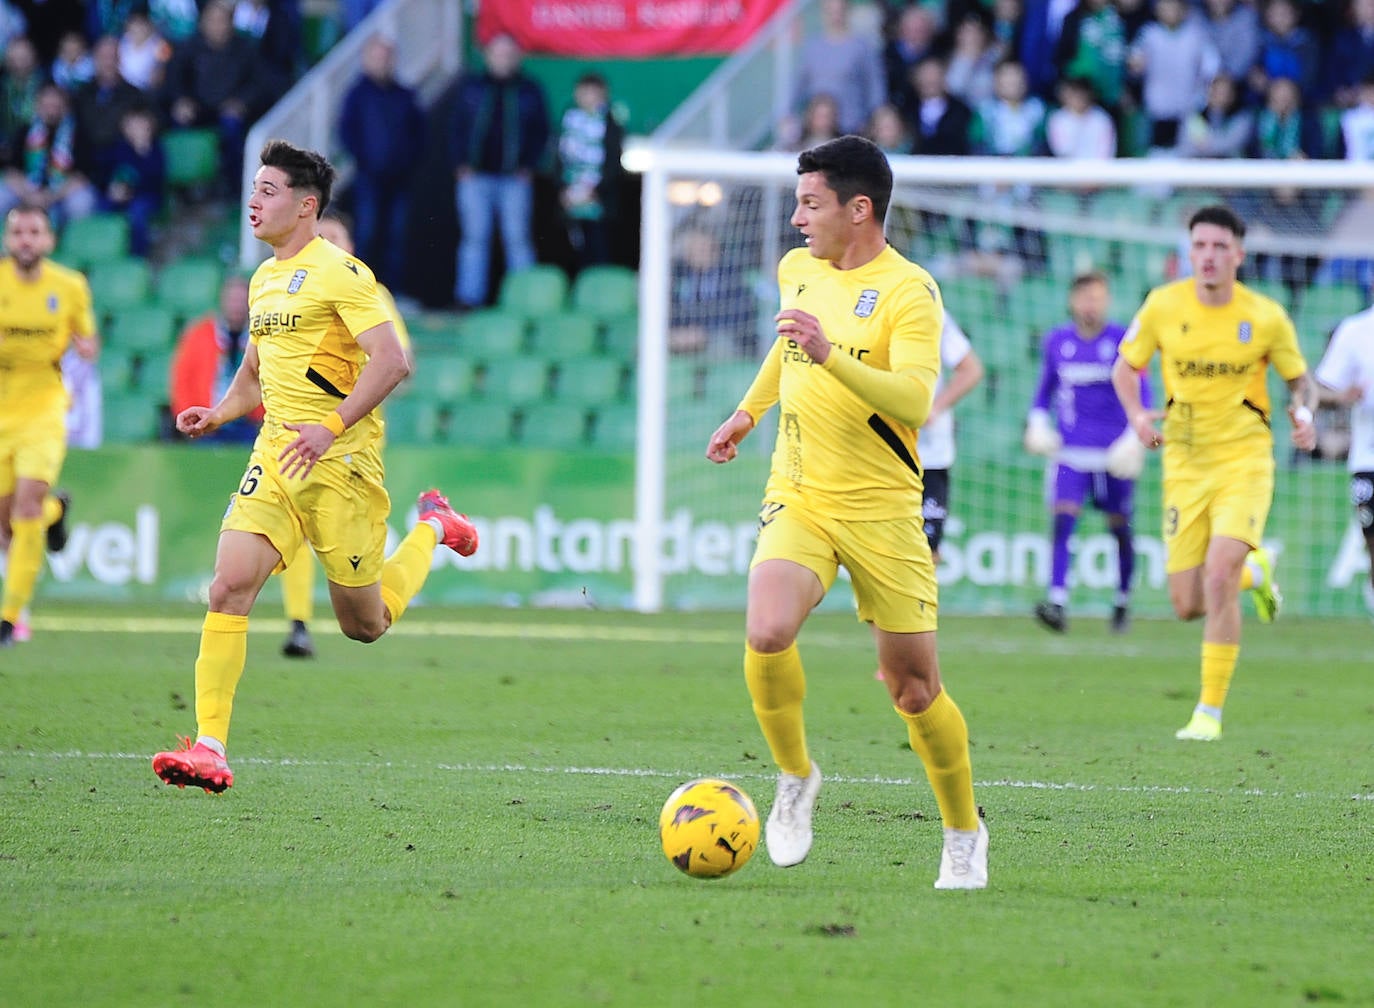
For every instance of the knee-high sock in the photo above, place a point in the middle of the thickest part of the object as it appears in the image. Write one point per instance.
(1125, 557)
(777, 686)
(939, 735)
(298, 585)
(1218, 665)
(1059, 552)
(405, 571)
(22, 566)
(223, 650)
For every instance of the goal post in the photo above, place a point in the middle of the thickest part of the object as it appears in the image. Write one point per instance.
(1003, 237)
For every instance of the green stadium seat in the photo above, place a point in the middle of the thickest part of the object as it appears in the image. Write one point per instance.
(190, 287)
(152, 372)
(592, 380)
(973, 301)
(539, 290)
(192, 157)
(553, 425)
(117, 368)
(1276, 289)
(130, 418)
(620, 338)
(491, 334)
(615, 427)
(1322, 306)
(412, 420)
(726, 382)
(440, 378)
(515, 380)
(118, 284)
(480, 424)
(686, 378)
(564, 335)
(141, 328)
(90, 241)
(606, 291)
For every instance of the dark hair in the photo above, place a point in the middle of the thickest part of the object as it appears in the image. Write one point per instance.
(852, 165)
(1089, 277)
(305, 169)
(592, 79)
(1220, 215)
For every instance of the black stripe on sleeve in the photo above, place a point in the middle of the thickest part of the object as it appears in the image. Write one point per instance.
(890, 438)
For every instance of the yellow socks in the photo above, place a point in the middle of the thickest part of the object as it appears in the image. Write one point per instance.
(939, 735)
(52, 511)
(1218, 665)
(22, 566)
(405, 571)
(223, 650)
(777, 685)
(298, 585)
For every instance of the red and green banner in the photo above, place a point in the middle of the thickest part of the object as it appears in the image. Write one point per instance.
(626, 29)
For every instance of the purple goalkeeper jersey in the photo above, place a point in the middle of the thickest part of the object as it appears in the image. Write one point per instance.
(1076, 388)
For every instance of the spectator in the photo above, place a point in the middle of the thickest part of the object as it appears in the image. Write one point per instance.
(13, 24)
(352, 12)
(1287, 49)
(589, 145)
(1223, 129)
(47, 166)
(207, 355)
(274, 26)
(711, 307)
(820, 121)
(101, 102)
(1175, 60)
(383, 127)
(133, 176)
(48, 21)
(1006, 25)
(19, 85)
(1040, 29)
(942, 123)
(176, 20)
(843, 64)
(215, 80)
(888, 130)
(1011, 124)
(1357, 125)
(1282, 129)
(912, 41)
(1135, 15)
(1092, 45)
(1351, 57)
(1234, 28)
(108, 17)
(1079, 128)
(500, 135)
(143, 53)
(971, 63)
(73, 65)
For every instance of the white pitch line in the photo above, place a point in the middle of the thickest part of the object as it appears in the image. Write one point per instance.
(679, 775)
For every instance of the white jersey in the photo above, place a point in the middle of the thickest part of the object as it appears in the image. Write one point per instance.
(936, 446)
(1349, 360)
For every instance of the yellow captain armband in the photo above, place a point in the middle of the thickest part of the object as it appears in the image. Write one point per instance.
(334, 422)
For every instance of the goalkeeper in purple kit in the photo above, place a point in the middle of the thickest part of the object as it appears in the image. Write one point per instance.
(1077, 420)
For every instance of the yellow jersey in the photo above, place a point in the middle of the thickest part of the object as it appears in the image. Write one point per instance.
(37, 322)
(835, 453)
(1214, 362)
(304, 314)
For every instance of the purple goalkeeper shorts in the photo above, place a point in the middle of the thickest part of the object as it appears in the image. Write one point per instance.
(1106, 493)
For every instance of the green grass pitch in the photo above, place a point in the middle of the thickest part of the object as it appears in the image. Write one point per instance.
(465, 813)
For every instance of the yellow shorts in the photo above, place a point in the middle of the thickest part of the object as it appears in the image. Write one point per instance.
(888, 561)
(33, 444)
(341, 509)
(1229, 500)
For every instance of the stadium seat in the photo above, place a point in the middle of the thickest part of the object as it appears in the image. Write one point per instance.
(130, 418)
(615, 427)
(190, 287)
(539, 290)
(91, 241)
(152, 372)
(564, 335)
(515, 380)
(116, 369)
(620, 338)
(192, 157)
(440, 378)
(142, 328)
(1322, 306)
(412, 420)
(479, 424)
(118, 284)
(606, 291)
(553, 425)
(592, 380)
(975, 302)
(726, 383)
(491, 334)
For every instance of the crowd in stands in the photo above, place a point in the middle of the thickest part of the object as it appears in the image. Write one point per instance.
(1180, 78)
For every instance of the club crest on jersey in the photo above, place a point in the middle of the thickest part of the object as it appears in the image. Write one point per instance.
(1243, 332)
(868, 300)
(297, 281)
(52, 304)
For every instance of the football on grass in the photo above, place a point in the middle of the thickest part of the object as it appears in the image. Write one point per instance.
(709, 828)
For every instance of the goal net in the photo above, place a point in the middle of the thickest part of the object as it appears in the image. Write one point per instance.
(1004, 238)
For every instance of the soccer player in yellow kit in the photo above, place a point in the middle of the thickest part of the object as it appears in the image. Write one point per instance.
(44, 308)
(853, 373)
(322, 356)
(1216, 339)
(298, 579)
